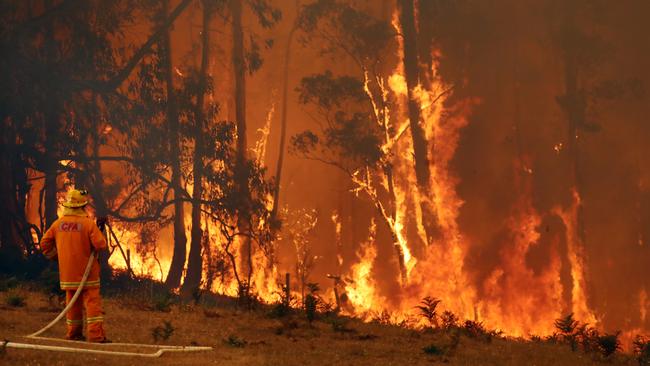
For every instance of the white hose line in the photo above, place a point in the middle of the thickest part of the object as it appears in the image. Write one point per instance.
(158, 353)
(161, 348)
(138, 345)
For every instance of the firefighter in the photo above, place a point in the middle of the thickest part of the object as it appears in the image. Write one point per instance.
(71, 238)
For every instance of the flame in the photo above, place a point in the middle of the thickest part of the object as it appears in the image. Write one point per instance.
(361, 288)
(339, 242)
(513, 298)
(644, 304)
(576, 258)
(260, 145)
(516, 299)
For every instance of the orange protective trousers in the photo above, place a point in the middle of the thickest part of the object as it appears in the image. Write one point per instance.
(91, 301)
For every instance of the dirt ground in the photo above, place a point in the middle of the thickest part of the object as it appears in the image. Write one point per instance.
(253, 338)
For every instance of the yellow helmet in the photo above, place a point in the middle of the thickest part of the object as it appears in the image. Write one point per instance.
(76, 198)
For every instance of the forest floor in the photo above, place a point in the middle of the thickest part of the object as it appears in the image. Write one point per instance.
(253, 337)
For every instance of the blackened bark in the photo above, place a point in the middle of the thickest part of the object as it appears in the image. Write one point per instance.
(411, 74)
(283, 121)
(574, 104)
(11, 243)
(241, 169)
(195, 260)
(420, 143)
(180, 240)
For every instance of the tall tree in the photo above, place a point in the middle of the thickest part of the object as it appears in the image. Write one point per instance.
(357, 134)
(283, 118)
(417, 78)
(241, 173)
(180, 240)
(195, 260)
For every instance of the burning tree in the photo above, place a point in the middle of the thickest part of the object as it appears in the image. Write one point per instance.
(356, 134)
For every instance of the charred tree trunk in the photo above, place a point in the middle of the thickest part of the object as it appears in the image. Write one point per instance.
(420, 143)
(241, 170)
(99, 199)
(180, 240)
(195, 260)
(50, 168)
(574, 104)
(11, 253)
(283, 121)
(51, 121)
(411, 72)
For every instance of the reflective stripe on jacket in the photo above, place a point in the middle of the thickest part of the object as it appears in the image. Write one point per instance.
(72, 235)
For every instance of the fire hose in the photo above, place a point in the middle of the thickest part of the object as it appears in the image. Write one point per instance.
(36, 335)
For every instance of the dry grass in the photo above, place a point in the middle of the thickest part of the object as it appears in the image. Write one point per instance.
(252, 338)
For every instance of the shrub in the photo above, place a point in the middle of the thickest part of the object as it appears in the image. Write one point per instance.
(382, 317)
(211, 313)
(449, 320)
(311, 302)
(279, 310)
(567, 327)
(434, 350)
(588, 337)
(162, 301)
(477, 330)
(642, 350)
(286, 326)
(15, 300)
(162, 332)
(609, 344)
(340, 325)
(8, 283)
(428, 311)
(445, 346)
(234, 341)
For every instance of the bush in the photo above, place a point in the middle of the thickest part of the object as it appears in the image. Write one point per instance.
(234, 341)
(609, 344)
(311, 302)
(287, 324)
(340, 325)
(162, 332)
(445, 346)
(310, 307)
(477, 330)
(642, 350)
(8, 283)
(382, 317)
(567, 327)
(449, 320)
(434, 350)
(588, 337)
(15, 300)
(428, 311)
(162, 301)
(279, 310)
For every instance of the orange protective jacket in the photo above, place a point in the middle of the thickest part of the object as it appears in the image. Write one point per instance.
(70, 238)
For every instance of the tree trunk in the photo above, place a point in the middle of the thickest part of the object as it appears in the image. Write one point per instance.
(101, 206)
(283, 121)
(241, 172)
(411, 72)
(51, 164)
(575, 108)
(195, 260)
(180, 240)
(11, 254)
(51, 120)
(420, 144)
